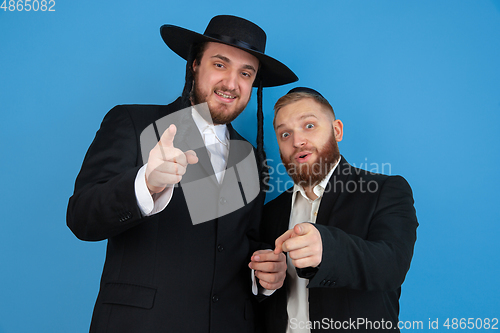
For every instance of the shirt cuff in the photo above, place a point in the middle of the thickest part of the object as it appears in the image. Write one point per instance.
(150, 204)
(257, 289)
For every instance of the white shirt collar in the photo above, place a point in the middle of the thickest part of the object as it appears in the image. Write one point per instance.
(319, 189)
(221, 131)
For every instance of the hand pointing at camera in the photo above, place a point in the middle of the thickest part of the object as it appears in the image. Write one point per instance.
(167, 164)
(303, 244)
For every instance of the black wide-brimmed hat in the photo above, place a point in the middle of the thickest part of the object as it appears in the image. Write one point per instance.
(237, 32)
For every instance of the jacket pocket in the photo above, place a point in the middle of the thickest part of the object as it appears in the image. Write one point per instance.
(128, 294)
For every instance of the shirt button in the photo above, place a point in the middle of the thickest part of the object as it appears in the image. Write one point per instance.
(215, 299)
(222, 200)
(220, 248)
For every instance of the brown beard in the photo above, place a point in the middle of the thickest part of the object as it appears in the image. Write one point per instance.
(218, 115)
(309, 175)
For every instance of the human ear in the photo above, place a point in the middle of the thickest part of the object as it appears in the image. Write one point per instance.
(338, 129)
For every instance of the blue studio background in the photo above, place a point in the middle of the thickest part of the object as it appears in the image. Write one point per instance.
(416, 83)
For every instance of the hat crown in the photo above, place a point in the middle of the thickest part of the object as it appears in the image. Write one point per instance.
(237, 31)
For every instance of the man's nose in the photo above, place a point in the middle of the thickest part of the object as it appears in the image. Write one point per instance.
(299, 140)
(231, 80)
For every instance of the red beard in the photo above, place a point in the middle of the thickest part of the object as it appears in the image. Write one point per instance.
(309, 175)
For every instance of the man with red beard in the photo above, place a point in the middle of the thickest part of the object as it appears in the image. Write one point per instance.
(348, 234)
(157, 183)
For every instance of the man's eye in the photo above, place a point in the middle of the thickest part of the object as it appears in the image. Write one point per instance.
(246, 74)
(309, 125)
(219, 65)
(285, 135)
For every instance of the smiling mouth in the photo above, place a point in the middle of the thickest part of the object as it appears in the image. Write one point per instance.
(221, 94)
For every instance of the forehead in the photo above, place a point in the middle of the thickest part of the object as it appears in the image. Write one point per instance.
(301, 109)
(232, 53)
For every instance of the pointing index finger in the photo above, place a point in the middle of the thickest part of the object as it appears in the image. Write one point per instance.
(281, 239)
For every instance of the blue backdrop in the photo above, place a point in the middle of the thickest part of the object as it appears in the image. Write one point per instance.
(416, 83)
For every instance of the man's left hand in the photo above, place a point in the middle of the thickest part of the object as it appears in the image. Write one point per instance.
(270, 268)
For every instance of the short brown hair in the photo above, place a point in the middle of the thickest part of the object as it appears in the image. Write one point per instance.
(297, 96)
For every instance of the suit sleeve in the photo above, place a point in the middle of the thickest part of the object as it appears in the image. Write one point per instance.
(104, 202)
(379, 262)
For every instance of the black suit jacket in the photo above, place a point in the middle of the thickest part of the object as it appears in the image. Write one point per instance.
(368, 227)
(162, 273)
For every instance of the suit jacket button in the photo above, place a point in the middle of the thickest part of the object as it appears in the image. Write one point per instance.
(215, 299)
(220, 248)
(125, 216)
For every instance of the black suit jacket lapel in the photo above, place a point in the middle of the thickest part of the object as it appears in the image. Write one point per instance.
(281, 214)
(232, 156)
(334, 189)
(285, 212)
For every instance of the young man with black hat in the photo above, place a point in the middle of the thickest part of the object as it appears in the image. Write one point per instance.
(178, 193)
(348, 233)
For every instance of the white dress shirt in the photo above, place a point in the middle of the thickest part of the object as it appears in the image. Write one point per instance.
(303, 210)
(216, 139)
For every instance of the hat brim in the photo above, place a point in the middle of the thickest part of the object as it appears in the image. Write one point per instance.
(272, 72)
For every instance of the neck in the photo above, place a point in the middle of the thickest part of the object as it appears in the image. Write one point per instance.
(204, 112)
(310, 193)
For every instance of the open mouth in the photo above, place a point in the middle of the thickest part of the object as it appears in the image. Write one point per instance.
(223, 95)
(302, 156)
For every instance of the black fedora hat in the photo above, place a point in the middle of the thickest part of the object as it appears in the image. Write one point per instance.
(237, 32)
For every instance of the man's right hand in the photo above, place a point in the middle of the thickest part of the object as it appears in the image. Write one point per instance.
(167, 164)
(303, 244)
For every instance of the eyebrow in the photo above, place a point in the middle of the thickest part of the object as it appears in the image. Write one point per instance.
(226, 59)
(302, 117)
